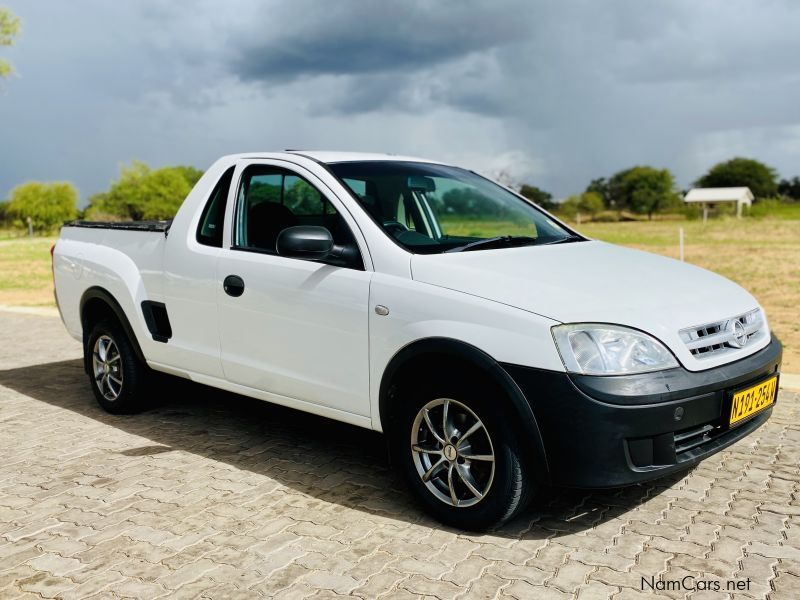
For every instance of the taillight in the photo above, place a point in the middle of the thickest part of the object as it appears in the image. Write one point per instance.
(52, 250)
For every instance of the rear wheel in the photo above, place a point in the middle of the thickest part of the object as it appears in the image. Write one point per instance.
(117, 376)
(459, 454)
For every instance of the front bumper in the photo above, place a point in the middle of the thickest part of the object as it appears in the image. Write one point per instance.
(611, 431)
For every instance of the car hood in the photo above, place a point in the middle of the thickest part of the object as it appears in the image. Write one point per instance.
(595, 281)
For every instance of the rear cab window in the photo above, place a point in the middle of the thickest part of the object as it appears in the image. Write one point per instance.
(210, 228)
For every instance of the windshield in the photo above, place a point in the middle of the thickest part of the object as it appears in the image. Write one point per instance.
(430, 208)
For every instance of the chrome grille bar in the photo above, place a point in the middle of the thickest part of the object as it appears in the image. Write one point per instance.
(727, 335)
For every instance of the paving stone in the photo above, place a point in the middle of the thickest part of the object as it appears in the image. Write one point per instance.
(341, 584)
(369, 565)
(379, 584)
(92, 586)
(528, 573)
(523, 591)
(241, 578)
(55, 564)
(134, 588)
(62, 546)
(141, 569)
(487, 586)
(596, 590)
(570, 576)
(186, 574)
(45, 585)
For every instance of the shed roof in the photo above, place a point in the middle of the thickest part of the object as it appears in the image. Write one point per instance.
(728, 194)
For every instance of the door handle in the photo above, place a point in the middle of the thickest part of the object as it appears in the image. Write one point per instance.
(233, 285)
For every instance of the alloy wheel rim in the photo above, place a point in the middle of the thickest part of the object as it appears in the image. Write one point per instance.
(452, 452)
(107, 367)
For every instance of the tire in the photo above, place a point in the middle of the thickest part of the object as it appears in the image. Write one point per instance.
(116, 375)
(484, 494)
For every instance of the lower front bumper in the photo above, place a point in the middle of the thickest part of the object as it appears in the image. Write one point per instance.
(612, 431)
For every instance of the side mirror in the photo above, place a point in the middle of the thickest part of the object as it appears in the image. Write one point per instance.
(305, 241)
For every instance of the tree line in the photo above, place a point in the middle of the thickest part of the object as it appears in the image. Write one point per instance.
(141, 192)
(646, 190)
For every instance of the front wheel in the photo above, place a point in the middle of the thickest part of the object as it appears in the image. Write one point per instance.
(117, 376)
(460, 456)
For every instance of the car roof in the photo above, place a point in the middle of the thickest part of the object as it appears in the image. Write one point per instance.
(334, 156)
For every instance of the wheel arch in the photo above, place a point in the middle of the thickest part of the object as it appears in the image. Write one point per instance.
(97, 303)
(413, 355)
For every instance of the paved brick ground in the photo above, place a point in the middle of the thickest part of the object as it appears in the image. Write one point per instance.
(218, 496)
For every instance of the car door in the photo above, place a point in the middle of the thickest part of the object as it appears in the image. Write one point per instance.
(292, 327)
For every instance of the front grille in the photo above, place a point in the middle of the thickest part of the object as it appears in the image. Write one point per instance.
(728, 335)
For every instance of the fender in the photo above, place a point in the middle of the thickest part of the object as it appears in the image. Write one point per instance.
(532, 438)
(98, 293)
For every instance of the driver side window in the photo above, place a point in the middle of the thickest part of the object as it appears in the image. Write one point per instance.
(271, 199)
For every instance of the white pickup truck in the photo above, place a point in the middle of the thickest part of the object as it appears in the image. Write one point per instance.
(498, 349)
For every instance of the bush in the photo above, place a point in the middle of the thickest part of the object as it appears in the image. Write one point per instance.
(142, 193)
(692, 212)
(765, 208)
(587, 204)
(48, 205)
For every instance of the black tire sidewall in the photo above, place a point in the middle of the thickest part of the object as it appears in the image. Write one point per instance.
(507, 492)
(133, 372)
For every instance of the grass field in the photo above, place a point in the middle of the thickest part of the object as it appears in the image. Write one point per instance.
(763, 255)
(25, 277)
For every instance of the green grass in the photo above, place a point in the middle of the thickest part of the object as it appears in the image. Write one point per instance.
(777, 210)
(25, 272)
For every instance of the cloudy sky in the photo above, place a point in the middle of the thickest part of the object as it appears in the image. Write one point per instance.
(553, 93)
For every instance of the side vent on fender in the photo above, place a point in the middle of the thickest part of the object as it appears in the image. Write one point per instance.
(155, 315)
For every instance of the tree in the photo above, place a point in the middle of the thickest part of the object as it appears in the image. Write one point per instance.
(9, 29)
(641, 189)
(591, 203)
(737, 172)
(649, 190)
(600, 186)
(48, 205)
(588, 203)
(143, 193)
(614, 191)
(790, 188)
(538, 196)
(620, 192)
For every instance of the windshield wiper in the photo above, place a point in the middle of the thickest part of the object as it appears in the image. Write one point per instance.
(501, 240)
(566, 240)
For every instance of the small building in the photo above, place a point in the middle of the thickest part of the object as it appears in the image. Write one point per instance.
(708, 197)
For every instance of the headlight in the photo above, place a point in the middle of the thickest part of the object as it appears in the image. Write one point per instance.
(598, 349)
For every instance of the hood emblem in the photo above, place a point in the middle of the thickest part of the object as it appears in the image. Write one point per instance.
(739, 338)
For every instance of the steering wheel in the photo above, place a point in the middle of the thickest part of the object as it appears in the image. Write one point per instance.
(394, 227)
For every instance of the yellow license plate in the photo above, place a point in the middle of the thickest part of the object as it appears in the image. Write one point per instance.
(752, 400)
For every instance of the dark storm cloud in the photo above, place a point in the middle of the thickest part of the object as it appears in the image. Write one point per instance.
(355, 37)
(555, 92)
